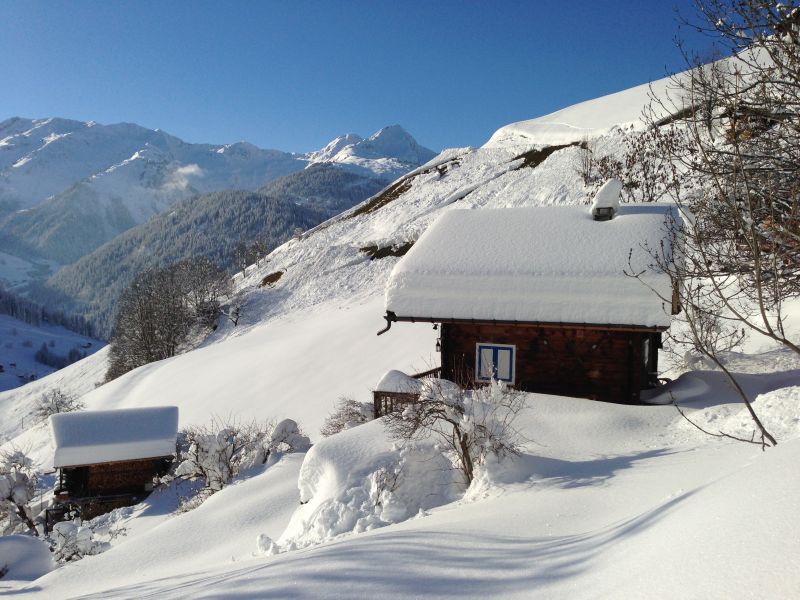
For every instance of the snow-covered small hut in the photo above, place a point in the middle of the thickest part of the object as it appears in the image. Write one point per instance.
(109, 458)
(542, 297)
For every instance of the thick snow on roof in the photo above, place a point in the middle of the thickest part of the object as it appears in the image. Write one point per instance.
(551, 264)
(91, 437)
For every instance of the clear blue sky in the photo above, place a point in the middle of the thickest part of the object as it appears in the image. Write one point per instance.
(293, 75)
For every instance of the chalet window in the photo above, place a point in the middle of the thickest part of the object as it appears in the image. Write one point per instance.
(495, 361)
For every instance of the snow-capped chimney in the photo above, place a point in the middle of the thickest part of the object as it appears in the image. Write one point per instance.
(606, 201)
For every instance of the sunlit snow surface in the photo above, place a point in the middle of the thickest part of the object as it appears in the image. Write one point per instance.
(539, 264)
(598, 484)
(24, 558)
(606, 501)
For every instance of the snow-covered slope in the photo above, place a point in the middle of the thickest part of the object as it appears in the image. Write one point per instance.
(590, 119)
(599, 486)
(606, 500)
(19, 343)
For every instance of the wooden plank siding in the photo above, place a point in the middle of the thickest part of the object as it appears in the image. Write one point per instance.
(122, 477)
(608, 365)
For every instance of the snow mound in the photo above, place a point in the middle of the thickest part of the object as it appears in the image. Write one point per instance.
(358, 480)
(586, 120)
(397, 381)
(24, 558)
(288, 432)
(777, 410)
(608, 195)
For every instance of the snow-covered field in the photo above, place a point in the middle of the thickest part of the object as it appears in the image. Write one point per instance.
(605, 501)
(19, 343)
(15, 271)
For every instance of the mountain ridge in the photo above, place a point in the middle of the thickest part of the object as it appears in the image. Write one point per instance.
(68, 186)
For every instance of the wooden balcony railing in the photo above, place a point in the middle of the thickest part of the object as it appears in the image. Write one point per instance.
(386, 402)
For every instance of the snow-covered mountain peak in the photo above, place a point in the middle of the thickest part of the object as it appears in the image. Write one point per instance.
(57, 174)
(334, 147)
(394, 142)
(239, 150)
(389, 152)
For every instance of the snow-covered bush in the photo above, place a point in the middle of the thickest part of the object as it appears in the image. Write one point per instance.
(18, 480)
(360, 480)
(72, 542)
(288, 437)
(347, 413)
(266, 546)
(218, 452)
(55, 401)
(470, 424)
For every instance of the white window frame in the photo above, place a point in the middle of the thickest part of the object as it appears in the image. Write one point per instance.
(496, 348)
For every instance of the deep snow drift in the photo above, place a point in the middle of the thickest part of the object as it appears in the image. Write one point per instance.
(597, 486)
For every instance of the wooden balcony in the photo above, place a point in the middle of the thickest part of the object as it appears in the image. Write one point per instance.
(386, 402)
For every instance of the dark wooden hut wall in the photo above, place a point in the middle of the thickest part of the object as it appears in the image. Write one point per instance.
(115, 478)
(610, 365)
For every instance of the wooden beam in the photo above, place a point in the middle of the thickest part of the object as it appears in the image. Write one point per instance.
(588, 326)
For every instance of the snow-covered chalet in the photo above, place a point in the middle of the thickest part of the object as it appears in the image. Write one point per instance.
(109, 458)
(543, 298)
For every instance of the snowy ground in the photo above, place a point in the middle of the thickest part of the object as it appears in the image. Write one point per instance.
(19, 343)
(606, 500)
(15, 271)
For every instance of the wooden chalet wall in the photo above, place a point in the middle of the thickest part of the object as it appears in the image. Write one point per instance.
(601, 364)
(104, 486)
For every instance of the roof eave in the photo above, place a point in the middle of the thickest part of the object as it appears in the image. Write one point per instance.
(392, 317)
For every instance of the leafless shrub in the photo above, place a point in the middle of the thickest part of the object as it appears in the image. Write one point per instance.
(347, 413)
(56, 401)
(472, 425)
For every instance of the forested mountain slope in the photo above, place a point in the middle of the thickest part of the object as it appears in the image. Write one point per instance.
(220, 226)
(67, 187)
